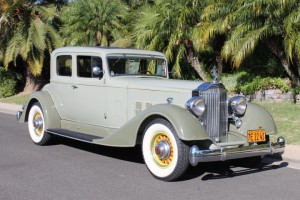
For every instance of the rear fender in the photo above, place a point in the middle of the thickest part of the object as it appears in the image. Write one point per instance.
(51, 116)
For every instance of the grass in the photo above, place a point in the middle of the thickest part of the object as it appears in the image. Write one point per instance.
(287, 119)
(17, 99)
(286, 116)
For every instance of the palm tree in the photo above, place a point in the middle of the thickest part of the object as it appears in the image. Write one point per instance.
(167, 27)
(93, 22)
(210, 32)
(29, 34)
(249, 23)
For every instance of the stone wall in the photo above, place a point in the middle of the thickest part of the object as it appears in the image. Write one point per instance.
(274, 96)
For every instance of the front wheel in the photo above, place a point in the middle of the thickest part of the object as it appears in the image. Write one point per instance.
(165, 155)
(36, 125)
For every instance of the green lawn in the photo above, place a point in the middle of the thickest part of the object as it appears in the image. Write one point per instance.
(18, 99)
(287, 119)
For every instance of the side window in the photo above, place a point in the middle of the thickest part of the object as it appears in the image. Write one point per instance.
(89, 67)
(64, 65)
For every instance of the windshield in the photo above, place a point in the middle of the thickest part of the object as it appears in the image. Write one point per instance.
(142, 66)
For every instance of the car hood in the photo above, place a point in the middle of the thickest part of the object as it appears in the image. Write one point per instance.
(156, 84)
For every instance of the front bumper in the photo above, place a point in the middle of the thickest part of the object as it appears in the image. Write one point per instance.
(223, 154)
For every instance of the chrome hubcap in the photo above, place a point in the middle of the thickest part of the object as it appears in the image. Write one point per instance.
(38, 123)
(162, 149)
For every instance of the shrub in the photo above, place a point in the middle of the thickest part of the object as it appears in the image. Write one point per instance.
(296, 90)
(231, 81)
(267, 83)
(8, 83)
(246, 83)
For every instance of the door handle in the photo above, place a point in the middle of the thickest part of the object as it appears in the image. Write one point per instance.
(74, 86)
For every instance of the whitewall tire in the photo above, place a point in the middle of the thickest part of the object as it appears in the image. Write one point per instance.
(36, 125)
(165, 155)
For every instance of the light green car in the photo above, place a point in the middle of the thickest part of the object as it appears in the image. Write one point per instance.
(123, 97)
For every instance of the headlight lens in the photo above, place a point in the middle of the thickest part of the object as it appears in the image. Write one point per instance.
(238, 105)
(196, 105)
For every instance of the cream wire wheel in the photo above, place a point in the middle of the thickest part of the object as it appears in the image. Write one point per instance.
(165, 155)
(36, 125)
(162, 149)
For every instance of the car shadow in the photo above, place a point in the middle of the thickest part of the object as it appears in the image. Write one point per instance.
(130, 154)
(207, 171)
(228, 169)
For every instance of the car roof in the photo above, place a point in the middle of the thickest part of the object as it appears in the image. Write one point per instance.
(106, 50)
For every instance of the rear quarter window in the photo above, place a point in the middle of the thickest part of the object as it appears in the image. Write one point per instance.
(64, 65)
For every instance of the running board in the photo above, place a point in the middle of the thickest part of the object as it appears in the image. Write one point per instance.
(73, 135)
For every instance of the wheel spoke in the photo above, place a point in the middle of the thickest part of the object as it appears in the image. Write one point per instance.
(162, 146)
(164, 153)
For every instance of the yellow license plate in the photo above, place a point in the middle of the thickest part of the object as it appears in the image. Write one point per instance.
(256, 135)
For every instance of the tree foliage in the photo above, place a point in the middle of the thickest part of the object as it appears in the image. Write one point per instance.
(28, 32)
(136, 4)
(93, 22)
(167, 27)
(247, 24)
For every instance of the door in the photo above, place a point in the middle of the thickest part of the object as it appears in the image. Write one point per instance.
(62, 86)
(89, 91)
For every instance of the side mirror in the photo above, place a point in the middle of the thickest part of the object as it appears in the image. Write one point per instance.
(97, 71)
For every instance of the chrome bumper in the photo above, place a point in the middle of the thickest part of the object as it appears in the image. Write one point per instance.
(223, 154)
(19, 113)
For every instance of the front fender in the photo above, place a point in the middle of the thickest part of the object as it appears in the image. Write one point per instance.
(186, 125)
(51, 116)
(256, 117)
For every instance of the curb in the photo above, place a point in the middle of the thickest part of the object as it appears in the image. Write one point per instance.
(8, 108)
(291, 153)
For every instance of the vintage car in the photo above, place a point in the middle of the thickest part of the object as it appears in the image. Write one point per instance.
(123, 97)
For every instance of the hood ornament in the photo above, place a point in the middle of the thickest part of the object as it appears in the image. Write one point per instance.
(215, 75)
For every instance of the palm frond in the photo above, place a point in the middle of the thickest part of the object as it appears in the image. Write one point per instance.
(12, 50)
(35, 62)
(243, 47)
(291, 28)
(38, 33)
(177, 68)
(84, 19)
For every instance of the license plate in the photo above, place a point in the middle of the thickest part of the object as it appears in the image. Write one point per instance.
(256, 135)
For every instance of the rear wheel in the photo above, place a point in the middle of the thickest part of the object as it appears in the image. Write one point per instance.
(166, 156)
(36, 125)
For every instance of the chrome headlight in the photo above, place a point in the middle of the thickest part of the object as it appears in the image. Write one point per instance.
(196, 105)
(238, 105)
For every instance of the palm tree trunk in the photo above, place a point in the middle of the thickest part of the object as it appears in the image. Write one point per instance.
(193, 60)
(31, 83)
(219, 60)
(295, 80)
(297, 67)
(279, 53)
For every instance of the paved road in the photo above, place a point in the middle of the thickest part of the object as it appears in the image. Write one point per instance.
(74, 170)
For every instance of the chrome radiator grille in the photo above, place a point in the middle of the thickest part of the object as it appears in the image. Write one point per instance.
(216, 118)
